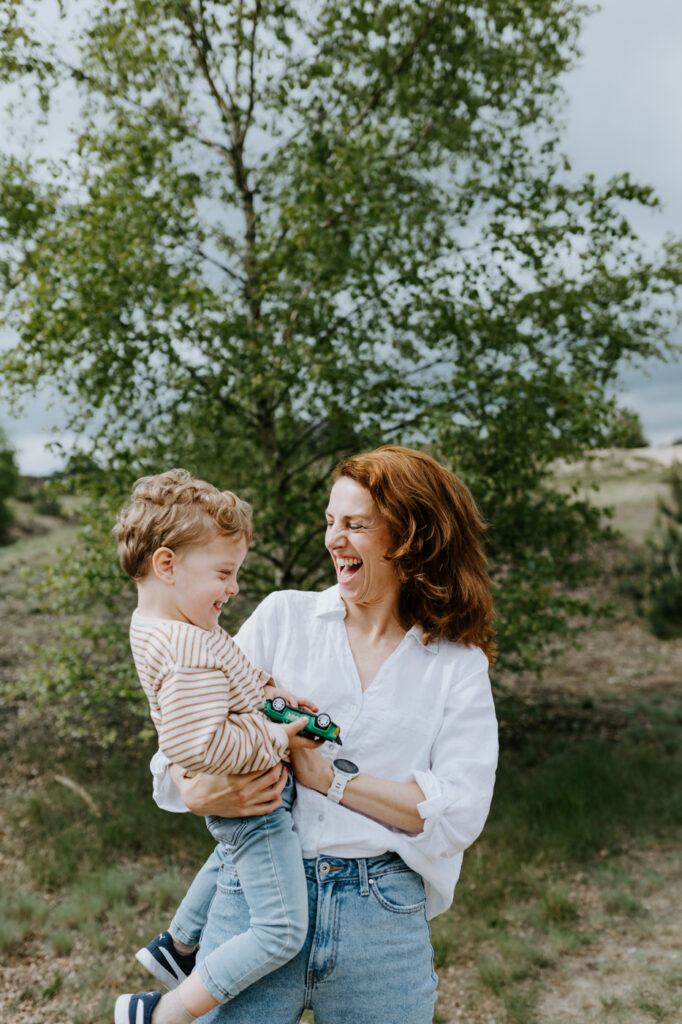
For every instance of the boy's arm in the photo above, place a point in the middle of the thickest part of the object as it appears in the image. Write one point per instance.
(200, 732)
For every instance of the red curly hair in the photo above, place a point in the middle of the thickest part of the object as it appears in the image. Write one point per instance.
(437, 554)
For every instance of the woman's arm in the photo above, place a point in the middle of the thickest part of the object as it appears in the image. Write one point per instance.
(232, 796)
(240, 796)
(392, 803)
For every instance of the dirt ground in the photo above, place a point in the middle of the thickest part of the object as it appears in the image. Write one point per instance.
(613, 977)
(628, 956)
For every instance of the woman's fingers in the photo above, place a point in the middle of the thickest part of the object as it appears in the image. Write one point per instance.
(307, 705)
(234, 796)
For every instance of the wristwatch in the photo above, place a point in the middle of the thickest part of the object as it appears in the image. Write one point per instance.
(343, 771)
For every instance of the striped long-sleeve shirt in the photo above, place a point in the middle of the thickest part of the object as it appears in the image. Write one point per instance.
(204, 698)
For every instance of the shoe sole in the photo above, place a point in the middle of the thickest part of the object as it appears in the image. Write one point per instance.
(158, 970)
(121, 1010)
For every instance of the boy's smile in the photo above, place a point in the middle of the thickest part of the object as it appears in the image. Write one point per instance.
(204, 578)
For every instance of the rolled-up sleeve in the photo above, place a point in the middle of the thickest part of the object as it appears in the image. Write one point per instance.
(458, 786)
(166, 793)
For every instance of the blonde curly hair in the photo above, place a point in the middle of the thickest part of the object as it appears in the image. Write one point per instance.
(174, 509)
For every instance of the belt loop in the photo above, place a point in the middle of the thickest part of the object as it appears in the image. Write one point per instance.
(364, 880)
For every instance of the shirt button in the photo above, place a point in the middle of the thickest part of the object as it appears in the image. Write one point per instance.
(354, 707)
(320, 817)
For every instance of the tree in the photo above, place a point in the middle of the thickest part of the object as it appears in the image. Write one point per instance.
(625, 430)
(9, 483)
(285, 232)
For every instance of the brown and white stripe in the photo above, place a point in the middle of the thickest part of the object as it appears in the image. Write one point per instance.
(204, 698)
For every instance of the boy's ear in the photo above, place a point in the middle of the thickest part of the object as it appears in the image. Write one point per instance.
(163, 565)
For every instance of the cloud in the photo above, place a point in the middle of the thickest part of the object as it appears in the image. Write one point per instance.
(34, 454)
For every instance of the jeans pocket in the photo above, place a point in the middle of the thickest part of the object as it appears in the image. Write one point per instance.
(401, 892)
(228, 881)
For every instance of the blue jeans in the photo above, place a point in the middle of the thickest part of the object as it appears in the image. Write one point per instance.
(266, 852)
(367, 956)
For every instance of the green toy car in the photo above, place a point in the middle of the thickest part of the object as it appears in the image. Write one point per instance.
(319, 726)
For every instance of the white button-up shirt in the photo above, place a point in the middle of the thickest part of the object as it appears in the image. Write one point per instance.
(427, 716)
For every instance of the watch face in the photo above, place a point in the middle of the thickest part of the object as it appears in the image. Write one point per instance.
(346, 766)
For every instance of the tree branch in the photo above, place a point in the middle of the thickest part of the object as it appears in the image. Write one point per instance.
(252, 67)
(227, 108)
(397, 69)
(221, 266)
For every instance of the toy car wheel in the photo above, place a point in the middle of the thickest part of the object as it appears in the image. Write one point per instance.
(323, 721)
(279, 704)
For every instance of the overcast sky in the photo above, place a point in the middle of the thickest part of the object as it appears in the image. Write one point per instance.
(625, 113)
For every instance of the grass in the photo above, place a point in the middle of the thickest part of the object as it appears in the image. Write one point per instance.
(31, 550)
(565, 806)
(562, 806)
(65, 841)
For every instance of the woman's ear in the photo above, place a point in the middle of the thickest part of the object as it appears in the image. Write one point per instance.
(163, 565)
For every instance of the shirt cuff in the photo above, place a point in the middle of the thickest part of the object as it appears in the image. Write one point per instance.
(279, 736)
(435, 836)
(166, 793)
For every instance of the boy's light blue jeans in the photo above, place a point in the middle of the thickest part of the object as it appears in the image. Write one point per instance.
(266, 852)
(367, 956)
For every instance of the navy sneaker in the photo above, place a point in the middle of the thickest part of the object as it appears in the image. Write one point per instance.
(162, 959)
(135, 1009)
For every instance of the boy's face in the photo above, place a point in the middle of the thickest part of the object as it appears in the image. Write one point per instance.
(204, 577)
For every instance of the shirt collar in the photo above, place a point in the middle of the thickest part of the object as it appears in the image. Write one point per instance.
(331, 606)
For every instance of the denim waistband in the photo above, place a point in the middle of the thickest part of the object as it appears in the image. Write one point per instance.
(334, 869)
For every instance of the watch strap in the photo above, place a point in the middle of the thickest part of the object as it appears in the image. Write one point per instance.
(338, 785)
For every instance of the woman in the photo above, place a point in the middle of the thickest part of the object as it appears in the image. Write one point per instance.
(397, 653)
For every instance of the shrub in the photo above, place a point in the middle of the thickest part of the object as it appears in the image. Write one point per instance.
(9, 482)
(662, 564)
(625, 430)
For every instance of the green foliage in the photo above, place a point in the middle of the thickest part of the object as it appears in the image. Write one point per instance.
(41, 494)
(572, 798)
(520, 904)
(65, 844)
(282, 233)
(661, 566)
(625, 430)
(9, 484)
(87, 676)
(47, 502)
(20, 914)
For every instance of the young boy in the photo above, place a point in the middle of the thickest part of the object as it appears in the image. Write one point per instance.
(183, 541)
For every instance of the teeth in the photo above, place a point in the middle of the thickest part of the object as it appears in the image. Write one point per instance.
(345, 562)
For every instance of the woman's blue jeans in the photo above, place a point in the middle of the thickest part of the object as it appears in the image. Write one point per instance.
(266, 852)
(367, 957)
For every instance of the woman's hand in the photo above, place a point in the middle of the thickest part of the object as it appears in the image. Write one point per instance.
(232, 796)
(311, 769)
(271, 691)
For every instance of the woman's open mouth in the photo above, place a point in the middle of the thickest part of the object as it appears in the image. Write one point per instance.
(346, 567)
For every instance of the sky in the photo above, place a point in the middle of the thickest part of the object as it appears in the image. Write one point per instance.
(624, 113)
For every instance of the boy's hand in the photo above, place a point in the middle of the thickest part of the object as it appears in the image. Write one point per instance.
(295, 741)
(272, 691)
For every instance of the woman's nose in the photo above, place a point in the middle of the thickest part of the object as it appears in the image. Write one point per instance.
(332, 536)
